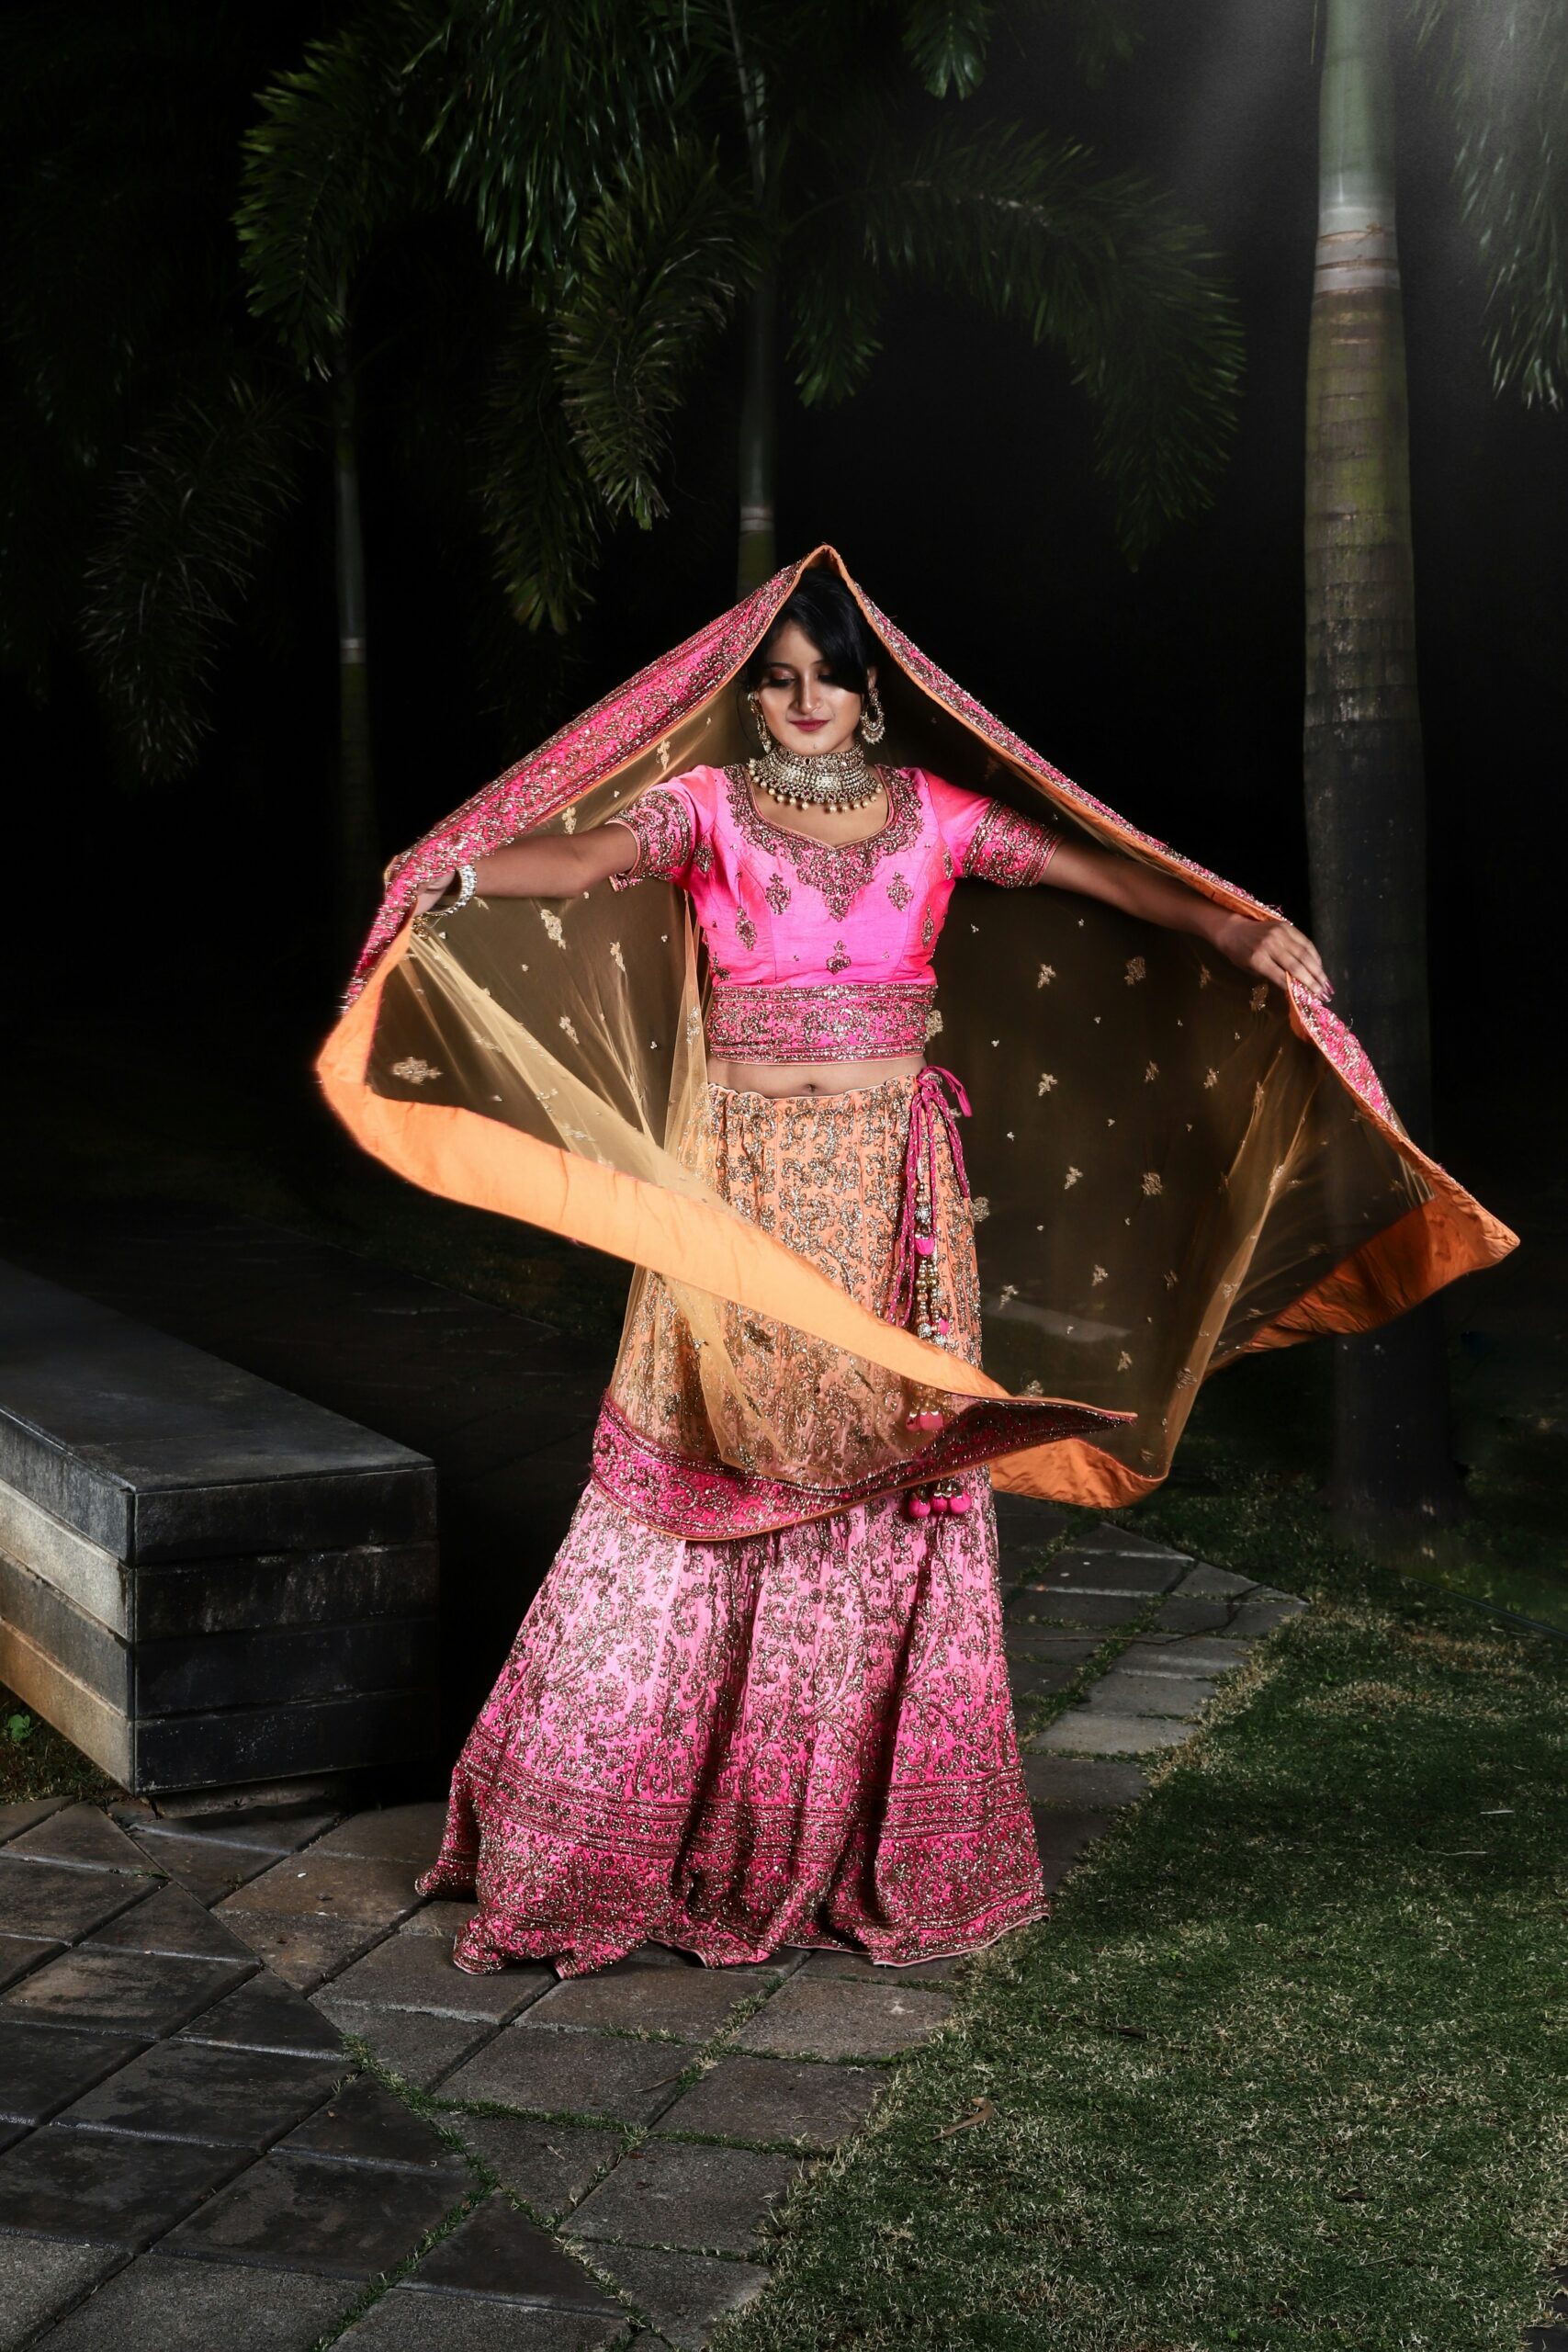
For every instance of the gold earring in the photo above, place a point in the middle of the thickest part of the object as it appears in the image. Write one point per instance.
(754, 705)
(873, 721)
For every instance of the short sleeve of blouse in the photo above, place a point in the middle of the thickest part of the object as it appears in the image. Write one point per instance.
(666, 823)
(988, 842)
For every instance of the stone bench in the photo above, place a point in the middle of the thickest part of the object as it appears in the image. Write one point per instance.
(204, 1580)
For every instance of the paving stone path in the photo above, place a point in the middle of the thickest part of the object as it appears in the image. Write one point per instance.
(246, 2100)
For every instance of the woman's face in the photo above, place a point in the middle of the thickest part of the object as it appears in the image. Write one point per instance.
(805, 708)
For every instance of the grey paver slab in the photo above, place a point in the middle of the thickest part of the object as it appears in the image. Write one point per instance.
(1084, 1784)
(1042, 1604)
(408, 2042)
(304, 1952)
(189, 2090)
(308, 2213)
(1032, 1678)
(1105, 1535)
(266, 2014)
(1180, 1697)
(204, 1865)
(1203, 1582)
(777, 2099)
(1082, 1733)
(20, 1955)
(444, 1917)
(944, 1971)
(1135, 1575)
(1194, 1653)
(122, 1992)
(1259, 1617)
(685, 2295)
(1179, 1615)
(363, 2123)
(1049, 1644)
(838, 2018)
(549, 2072)
(688, 2003)
(399, 1833)
(158, 2300)
(418, 1973)
(406, 2321)
(39, 2277)
(24, 1811)
(276, 1829)
(552, 2165)
(84, 1836)
(344, 1886)
(105, 2187)
(43, 2069)
(51, 1900)
(170, 1919)
(676, 2192)
(495, 2251)
(1063, 1838)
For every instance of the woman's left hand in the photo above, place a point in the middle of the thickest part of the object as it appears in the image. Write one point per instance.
(1276, 951)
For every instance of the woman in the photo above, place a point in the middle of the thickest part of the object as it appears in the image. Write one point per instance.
(759, 1700)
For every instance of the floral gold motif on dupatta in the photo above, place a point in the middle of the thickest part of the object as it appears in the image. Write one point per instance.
(840, 870)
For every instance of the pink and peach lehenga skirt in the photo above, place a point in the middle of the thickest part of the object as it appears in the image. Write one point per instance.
(795, 1738)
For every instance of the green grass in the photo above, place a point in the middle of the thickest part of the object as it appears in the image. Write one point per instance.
(1284, 2069)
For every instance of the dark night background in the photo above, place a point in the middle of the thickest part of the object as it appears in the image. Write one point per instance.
(959, 489)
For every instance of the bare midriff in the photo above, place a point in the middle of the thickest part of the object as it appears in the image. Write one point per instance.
(779, 1078)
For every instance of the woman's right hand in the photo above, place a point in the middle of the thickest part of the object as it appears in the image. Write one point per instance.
(432, 893)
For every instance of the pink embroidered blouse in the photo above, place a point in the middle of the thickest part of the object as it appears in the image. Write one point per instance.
(822, 951)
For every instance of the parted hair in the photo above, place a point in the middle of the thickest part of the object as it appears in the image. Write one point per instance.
(823, 609)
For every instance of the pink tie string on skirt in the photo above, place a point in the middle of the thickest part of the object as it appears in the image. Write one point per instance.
(915, 1295)
(931, 1114)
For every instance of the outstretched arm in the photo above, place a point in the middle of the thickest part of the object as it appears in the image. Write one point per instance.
(551, 866)
(1275, 950)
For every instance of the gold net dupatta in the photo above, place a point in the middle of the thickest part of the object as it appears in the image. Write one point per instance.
(1172, 1165)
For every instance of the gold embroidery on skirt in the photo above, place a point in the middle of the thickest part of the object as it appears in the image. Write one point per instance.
(823, 1174)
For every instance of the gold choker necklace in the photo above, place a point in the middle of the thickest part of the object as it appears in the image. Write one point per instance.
(831, 780)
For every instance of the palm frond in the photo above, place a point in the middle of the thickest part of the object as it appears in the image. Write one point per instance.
(536, 499)
(836, 304)
(338, 142)
(945, 41)
(1094, 263)
(1104, 33)
(1504, 68)
(541, 104)
(659, 263)
(187, 519)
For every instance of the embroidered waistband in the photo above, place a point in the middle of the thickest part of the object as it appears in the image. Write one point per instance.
(840, 1020)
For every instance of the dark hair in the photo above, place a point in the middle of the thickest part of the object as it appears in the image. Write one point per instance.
(823, 608)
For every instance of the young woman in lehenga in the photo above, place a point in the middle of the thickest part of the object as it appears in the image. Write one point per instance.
(759, 1700)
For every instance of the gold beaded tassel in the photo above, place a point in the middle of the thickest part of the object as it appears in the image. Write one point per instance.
(940, 1496)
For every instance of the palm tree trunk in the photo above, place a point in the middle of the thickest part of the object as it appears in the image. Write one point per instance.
(356, 814)
(759, 419)
(758, 558)
(1365, 795)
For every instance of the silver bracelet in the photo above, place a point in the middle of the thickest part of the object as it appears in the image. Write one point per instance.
(468, 879)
